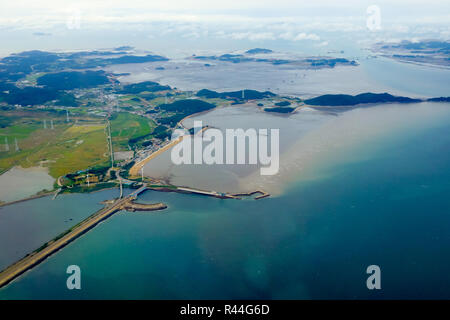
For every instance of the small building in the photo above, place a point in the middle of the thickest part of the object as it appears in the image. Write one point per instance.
(92, 178)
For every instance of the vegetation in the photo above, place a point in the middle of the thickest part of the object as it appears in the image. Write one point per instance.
(128, 129)
(92, 188)
(181, 109)
(440, 99)
(258, 50)
(67, 148)
(161, 132)
(68, 100)
(29, 95)
(17, 66)
(248, 94)
(73, 79)
(147, 86)
(308, 62)
(283, 104)
(280, 109)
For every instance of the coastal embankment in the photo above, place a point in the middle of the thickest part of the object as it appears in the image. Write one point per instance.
(134, 171)
(134, 206)
(36, 196)
(262, 194)
(49, 248)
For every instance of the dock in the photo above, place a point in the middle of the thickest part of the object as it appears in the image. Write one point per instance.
(51, 247)
(111, 207)
(215, 194)
(133, 206)
(262, 194)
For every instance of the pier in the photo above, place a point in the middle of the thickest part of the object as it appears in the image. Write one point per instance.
(49, 248)
(133, 206)
(111, 207)
(220, 195)
(205, 193)
(262, 194)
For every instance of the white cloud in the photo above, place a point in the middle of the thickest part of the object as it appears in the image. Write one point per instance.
(252, 36)
(300, 36)
(252, 20)
(322, 44)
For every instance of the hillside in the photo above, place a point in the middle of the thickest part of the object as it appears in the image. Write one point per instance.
(248, 94)
(349, 100)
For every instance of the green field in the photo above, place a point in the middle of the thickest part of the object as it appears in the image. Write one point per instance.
(32, 78)
(126, 127)
(67, 148)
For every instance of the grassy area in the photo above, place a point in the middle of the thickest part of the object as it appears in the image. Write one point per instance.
(67, 148)
(86, 189)
(32, 78)
(216, 101)
(131, 100)
(126, 127)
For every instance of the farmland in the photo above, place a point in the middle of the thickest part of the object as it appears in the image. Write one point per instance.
(65, 148)
(126, 127)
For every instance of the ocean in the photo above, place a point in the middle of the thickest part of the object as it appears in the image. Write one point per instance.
(379, 197)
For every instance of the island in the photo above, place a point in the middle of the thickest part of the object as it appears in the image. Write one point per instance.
(427, 52)
(93, 132)
(363, 98)
(299, 62)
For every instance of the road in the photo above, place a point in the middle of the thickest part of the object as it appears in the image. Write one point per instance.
(28, 262)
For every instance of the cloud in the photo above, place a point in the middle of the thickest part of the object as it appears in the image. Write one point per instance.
(41, 34)
(253, 36)
(251, 20)
(322, 44)
(400, 28)
(299, 36)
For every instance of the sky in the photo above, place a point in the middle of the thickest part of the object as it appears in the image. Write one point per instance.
(210, 24)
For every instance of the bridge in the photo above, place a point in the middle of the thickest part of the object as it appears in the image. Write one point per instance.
(49, 248)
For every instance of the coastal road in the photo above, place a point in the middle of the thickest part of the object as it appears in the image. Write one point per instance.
(29, 261)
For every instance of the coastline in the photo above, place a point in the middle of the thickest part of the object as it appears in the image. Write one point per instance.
(18, 182)
(36, 196)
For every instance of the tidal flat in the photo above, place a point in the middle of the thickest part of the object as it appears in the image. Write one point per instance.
(18, 183)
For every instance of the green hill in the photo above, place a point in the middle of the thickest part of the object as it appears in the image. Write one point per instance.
(349, 100)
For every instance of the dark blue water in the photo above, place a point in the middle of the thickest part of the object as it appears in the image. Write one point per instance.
(384, 202)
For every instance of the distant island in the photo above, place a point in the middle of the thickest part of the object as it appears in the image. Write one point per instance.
(16, 66)
(258, 51)
(237, 95)
(440, 99)
(280, 109)
(304, 63)
(283, 104)
(365, 98)
(146, 86)
(349, 100)
(36, 77)
(430, 52)
(63, 112)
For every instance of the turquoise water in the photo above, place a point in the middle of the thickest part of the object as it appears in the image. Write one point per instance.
(30, 224)
(382, 201)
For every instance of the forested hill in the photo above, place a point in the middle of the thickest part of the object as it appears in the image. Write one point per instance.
(241, 94)
(363, 98)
